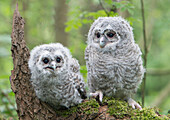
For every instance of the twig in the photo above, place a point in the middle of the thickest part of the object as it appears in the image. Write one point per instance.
(158, 72)
(104, 8)
(145, 53)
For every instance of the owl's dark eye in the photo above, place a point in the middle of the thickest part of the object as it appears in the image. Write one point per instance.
(58, 59)
(98, 35)
(45, 60)
(110, 34)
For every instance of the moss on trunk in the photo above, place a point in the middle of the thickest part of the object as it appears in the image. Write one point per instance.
(110, 109)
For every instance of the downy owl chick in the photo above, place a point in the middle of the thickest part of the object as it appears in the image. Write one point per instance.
(55, 76)
(113, 60)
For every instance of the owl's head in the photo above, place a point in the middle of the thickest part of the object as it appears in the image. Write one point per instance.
(49, 59)
(108, 32)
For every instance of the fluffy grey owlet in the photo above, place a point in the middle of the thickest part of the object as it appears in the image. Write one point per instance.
(113, 60)
(55, 76)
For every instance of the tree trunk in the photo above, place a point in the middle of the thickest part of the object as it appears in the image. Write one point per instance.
(60, 18)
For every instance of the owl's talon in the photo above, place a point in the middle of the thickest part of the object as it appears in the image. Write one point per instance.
(134, 104)
(97, 94)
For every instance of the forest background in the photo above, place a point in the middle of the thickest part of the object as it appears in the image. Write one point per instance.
(68, 22)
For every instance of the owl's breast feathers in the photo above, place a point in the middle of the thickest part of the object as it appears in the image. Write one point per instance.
(68, 92)
(119, 69)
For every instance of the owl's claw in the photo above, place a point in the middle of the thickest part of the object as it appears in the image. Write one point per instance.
(97, 94)
(134, 104)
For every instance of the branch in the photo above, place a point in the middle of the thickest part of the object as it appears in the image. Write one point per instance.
(157, 72)
(104, 8)
(145, 53)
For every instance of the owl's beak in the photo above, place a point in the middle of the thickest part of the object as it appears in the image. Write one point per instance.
(53, 65)
(102, 42)
(50, 68)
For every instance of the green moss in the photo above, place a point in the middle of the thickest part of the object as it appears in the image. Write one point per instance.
(66, 112)
(117, 108)
(88, 107)
(146, 113)
(120, 109)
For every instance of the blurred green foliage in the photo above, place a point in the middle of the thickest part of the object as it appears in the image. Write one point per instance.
(87, 17)
(39, 17)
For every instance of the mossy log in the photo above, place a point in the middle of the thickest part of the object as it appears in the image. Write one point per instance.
(29, 107)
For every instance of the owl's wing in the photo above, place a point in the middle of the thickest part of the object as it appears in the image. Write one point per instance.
(74, 65)
(88, 58)
(77, 78)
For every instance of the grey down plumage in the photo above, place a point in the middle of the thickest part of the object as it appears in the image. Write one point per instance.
(55, 76)
(113, 60)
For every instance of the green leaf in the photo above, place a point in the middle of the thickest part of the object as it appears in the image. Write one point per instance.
(95, 15)
(68, 28)
(86, 21)
(112, 14)
(109, 2)
(131, 20)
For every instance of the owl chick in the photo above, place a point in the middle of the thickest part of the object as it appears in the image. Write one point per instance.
(113, 60)
(55, 76)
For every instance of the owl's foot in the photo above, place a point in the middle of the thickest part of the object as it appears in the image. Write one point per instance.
(134, 104)
(98, 94)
